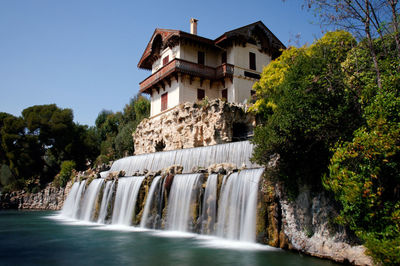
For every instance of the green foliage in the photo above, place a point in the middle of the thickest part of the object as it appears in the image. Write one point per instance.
(65, 174)
(123, 141)
(34, 145)
(114, 130)
(6, 177)
(364, 173)
(305, 107)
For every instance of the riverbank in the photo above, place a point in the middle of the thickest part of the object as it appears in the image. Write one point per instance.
(49, 198)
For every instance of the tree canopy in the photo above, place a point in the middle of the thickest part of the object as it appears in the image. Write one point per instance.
(44, 140)
(334, 127)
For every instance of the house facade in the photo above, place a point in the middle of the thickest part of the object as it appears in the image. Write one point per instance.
(186, 67)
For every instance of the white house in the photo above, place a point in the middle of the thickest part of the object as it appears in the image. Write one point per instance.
(187, 67)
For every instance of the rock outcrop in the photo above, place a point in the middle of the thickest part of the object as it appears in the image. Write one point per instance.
(193, 125)
(49, 198)
(305, 224)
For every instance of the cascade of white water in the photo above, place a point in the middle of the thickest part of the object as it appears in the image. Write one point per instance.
(149, 202)
(125, 199)
(77, 199)
(237, 205)
(209, 205)
(69, 204)
(105, 201)
(89, 200)
(183, 194)
(238, 153)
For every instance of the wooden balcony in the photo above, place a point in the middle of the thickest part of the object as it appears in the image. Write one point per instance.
(185, 67)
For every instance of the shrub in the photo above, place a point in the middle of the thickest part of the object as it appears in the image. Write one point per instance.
(65, 174)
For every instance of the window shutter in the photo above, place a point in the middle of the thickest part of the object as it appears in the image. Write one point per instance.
(164, 101)
(165, 60)
(252, 59)
(200, 58)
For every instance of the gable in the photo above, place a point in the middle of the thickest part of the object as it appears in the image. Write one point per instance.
(256, 33)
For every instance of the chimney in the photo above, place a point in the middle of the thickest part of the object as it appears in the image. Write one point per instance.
(193, 26)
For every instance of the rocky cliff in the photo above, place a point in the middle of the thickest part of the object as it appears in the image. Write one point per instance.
(49, 198)
(305, 224)
(193, 125)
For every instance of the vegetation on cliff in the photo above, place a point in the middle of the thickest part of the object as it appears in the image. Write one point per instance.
(337, 128)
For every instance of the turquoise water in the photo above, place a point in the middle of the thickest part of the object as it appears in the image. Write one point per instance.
(38, 238)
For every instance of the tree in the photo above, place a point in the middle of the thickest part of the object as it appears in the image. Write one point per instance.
(358, 16)
(22, 151)
(115, 129)
(364, 173)
(305, 108)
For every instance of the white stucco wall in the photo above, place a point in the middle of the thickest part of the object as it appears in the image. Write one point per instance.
(189, 53)
(173, 98)
(182, 91)
(243, 88)
(239, 56)
(188, 92)
(172, 53)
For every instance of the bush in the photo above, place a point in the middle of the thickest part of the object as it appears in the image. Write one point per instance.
(305, 108)
(65, 174)
(102, 159)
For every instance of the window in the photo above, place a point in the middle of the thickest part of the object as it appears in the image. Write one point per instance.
(225, 94)
(200, 94)
(200, 58)
(251, 75)
(165, 60)
(223, 58)
(252, 61)
(164, 101)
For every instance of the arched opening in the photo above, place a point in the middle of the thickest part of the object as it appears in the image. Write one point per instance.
(160, 146)
(157, 45)
(241, 131)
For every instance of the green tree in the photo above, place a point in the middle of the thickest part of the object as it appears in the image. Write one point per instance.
(115, 130)
(364, 173)
(23, 153)
(305, 109)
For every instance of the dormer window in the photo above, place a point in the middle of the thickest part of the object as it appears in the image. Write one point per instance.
(200, 58)
(165, 60)
(252, 61)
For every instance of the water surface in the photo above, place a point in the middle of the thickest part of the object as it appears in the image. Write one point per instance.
(39, 238)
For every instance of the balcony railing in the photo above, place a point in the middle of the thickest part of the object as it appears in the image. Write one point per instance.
(189, 68)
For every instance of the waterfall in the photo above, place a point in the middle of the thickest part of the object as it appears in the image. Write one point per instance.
(149, 203)
(125, 199)
(105, 201)
(69, 204)
(209, 206)
(182, 201)
(237, 205)
(238, 153)
(89, 200)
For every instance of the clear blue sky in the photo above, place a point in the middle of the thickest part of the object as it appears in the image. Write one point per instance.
(83, 54)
